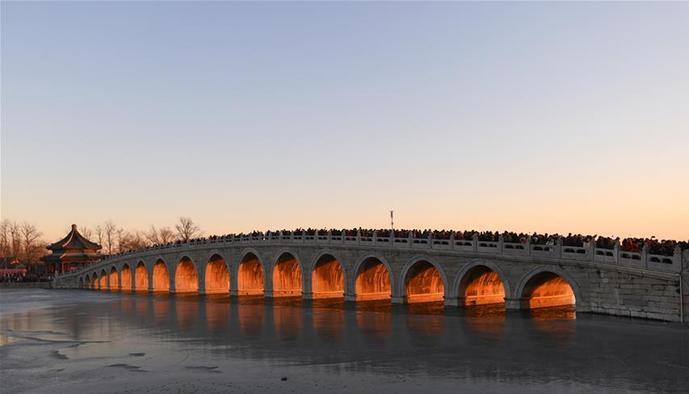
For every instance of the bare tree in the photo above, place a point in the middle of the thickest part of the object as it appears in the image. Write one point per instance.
(132, 241)
(5, 244)
(165, 234)
(87, 233)
(159, 236)
(15, 239)
(120, 234)
(109, 236)
(152, 235)
(187, 229)
(99, 234)
(31, 245)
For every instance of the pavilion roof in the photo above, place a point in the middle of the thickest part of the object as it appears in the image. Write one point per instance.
(74, 240)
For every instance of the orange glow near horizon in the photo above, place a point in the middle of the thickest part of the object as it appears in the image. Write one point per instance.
(327, 279)
(483, 287)
(217, 276)
(548, 290)
(424, 284)
(373, 281)
(250, 276)
(186, 278)
(287, 277)
(161, 277)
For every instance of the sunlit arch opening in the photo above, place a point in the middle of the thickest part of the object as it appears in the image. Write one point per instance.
(103, 280)
(250, 276)
(217, 276)
(327, 278)
(161, 277)
(113, 280)
(95, 282)
(547, 289)
(141, 275)
(424, 283)
(481, 286)
(287, 277)
(186, 278)
(373, 281)
(126, 278)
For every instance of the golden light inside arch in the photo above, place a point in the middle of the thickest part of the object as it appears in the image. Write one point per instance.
(217, 276)
(161, 277)
(126, 278)
(141, 276)
(250, 276)
(113, 280)
(373, 281)
(482, 286)
(103, 281)
(186, 278)
(287, 277)
(424, 283)
(327, 278)
(547, 290)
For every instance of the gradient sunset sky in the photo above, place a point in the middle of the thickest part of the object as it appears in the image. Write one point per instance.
(521, 116)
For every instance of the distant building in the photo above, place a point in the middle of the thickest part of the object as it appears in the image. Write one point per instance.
(71, 253)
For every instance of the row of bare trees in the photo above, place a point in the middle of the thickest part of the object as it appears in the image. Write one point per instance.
(23, 241)
(116, 239)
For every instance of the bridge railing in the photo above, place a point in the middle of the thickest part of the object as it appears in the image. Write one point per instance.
(553, 250)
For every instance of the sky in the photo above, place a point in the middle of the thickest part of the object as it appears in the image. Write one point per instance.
(567, 117)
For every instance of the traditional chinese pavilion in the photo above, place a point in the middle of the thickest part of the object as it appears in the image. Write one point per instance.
(71, 253)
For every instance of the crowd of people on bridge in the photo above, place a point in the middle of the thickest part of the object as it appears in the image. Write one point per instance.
(632, 245)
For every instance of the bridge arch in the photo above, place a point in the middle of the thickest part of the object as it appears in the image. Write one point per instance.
(103, 280)
(423, 280)
(160, 276)
(113, 279)
(186, 276)
(481, 283)
(81, 282)
(87, 281)
(95, 281)
(250, 274)
(287, 275)
(547, 286)
(141, 277)
(217, 274)
(373, 279)
(126, 277)
(328, 276)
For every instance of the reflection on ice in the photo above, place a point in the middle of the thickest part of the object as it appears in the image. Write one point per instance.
(484, 347)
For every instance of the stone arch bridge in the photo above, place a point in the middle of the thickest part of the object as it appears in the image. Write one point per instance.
(404, 270)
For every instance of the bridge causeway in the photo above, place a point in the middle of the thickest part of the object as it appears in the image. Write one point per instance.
(405, 270)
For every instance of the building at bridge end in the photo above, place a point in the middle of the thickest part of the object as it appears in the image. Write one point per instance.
(71, 253)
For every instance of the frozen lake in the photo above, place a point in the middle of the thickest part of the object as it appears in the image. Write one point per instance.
(66, 341)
